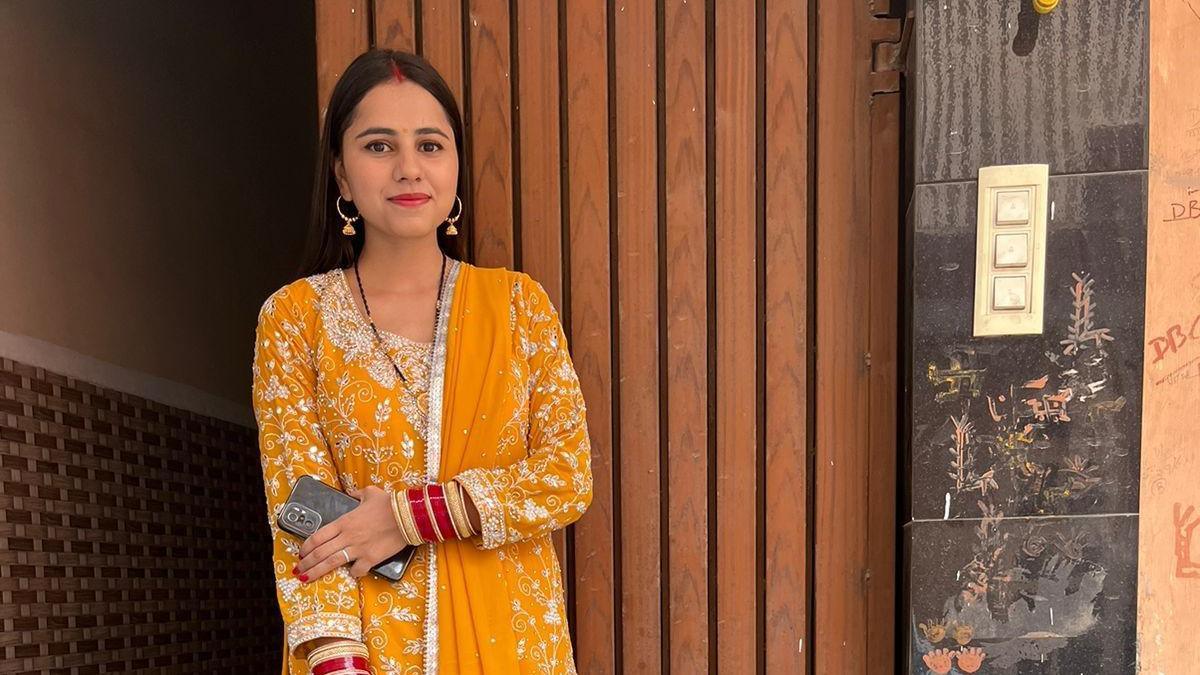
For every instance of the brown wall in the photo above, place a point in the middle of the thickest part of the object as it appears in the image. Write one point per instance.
(124, 545)
(154, 188)
(1169, 546)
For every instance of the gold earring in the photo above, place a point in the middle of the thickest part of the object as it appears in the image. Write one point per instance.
(348, 228)
(450, 228)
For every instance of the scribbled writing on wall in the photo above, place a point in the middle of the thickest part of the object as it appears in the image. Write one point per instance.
(1186, 567)
(1083, 331)
(956, 378)
(1030, 588)
(1187, 208)
(1033, 437)
(1009, 447)
(1170, 342)
(1189, 370)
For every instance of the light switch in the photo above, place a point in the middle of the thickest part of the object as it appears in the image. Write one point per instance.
(1012, 207)
(1008, 293)
(1012, 250)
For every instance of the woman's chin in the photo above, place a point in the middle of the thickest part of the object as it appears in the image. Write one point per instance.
(410, 228)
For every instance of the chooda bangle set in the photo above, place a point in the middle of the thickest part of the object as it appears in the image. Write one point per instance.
(340, 657)
(434, 513)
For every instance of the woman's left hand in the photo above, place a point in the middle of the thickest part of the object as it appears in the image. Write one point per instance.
(368, 534)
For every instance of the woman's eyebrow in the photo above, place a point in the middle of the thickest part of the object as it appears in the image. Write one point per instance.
(376, 130)
(425, 131)
(392, 132)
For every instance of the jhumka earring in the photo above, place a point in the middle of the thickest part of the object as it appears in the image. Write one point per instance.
(450, 228)
(348, 228)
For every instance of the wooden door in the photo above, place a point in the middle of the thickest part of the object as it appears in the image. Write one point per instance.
(652, 165)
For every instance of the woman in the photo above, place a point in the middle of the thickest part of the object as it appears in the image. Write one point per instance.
(439, 394)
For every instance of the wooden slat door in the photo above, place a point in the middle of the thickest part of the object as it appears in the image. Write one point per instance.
(652, 165)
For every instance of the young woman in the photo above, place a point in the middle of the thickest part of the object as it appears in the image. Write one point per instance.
(439, 394)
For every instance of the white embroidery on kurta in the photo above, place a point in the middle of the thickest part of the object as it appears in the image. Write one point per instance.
(355, 426)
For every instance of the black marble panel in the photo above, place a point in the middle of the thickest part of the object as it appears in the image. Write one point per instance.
(995, 83)
(1030, 425)
(1006, 596)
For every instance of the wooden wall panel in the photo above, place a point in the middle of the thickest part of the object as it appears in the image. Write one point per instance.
(341, 35)
(537, 184)
(736, 186)
(636, 296)
(396, 25)
(883, 294)
(651, 165)
(842, 275)
(597, 582)
(787, 308)
(687, 470)
(442, 43)
(489, 70)
(539, 170)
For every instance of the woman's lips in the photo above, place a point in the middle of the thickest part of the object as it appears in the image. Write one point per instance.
(409, 200)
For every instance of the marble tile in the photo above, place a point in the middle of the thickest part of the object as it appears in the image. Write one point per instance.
(996, 83)
(1030, 425)
(1001, 595)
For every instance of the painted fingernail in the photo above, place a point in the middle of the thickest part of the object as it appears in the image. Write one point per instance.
(303, 577)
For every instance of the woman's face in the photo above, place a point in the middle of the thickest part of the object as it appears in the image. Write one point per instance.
(399, 162)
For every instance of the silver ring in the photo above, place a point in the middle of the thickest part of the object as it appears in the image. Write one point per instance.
(347, 556)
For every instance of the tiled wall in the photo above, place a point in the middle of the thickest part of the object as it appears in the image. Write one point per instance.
(133, 536)
(1023, 452)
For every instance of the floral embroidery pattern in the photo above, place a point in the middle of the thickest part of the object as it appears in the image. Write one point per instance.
(553, 486)
(328, 404)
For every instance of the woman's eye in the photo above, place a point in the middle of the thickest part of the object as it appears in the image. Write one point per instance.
(430, 146)
(377, 146)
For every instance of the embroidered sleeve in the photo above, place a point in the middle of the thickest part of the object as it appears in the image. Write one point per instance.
(552, 486)
(291, 445)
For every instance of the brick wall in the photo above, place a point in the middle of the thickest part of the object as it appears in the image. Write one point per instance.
(133, 535)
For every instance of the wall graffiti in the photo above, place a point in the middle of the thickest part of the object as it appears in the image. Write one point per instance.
(1038, 437)
(1009, 451)
(1186, 567)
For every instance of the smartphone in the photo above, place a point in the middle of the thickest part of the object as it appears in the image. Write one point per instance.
(313, 503)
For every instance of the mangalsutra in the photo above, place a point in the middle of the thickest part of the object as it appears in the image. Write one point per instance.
(437, 311)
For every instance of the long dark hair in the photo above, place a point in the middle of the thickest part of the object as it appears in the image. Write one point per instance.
(327, 247)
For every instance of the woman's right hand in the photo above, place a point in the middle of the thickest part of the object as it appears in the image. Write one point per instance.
(368, 534)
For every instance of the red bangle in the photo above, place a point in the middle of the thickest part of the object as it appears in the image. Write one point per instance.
(437, 532)
(441, 512)
(340, 663)
(416, 500)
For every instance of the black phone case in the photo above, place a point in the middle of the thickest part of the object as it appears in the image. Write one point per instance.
(313, 503)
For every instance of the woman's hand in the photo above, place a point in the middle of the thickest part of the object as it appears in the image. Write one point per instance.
(368, 534)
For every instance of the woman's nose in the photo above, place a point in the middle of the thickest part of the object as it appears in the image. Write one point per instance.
(407, 166)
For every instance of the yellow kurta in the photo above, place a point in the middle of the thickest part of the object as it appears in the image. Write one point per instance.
(494, 402)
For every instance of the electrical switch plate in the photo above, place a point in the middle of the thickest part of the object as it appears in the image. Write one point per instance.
(1010, 249)
(1012, 207)
(1008, 293)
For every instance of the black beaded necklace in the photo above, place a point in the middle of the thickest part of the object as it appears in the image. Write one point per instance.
(437, 312)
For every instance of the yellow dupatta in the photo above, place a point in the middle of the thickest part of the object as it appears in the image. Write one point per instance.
(474, 612)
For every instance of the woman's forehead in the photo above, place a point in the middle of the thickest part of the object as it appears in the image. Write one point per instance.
(403, 106)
